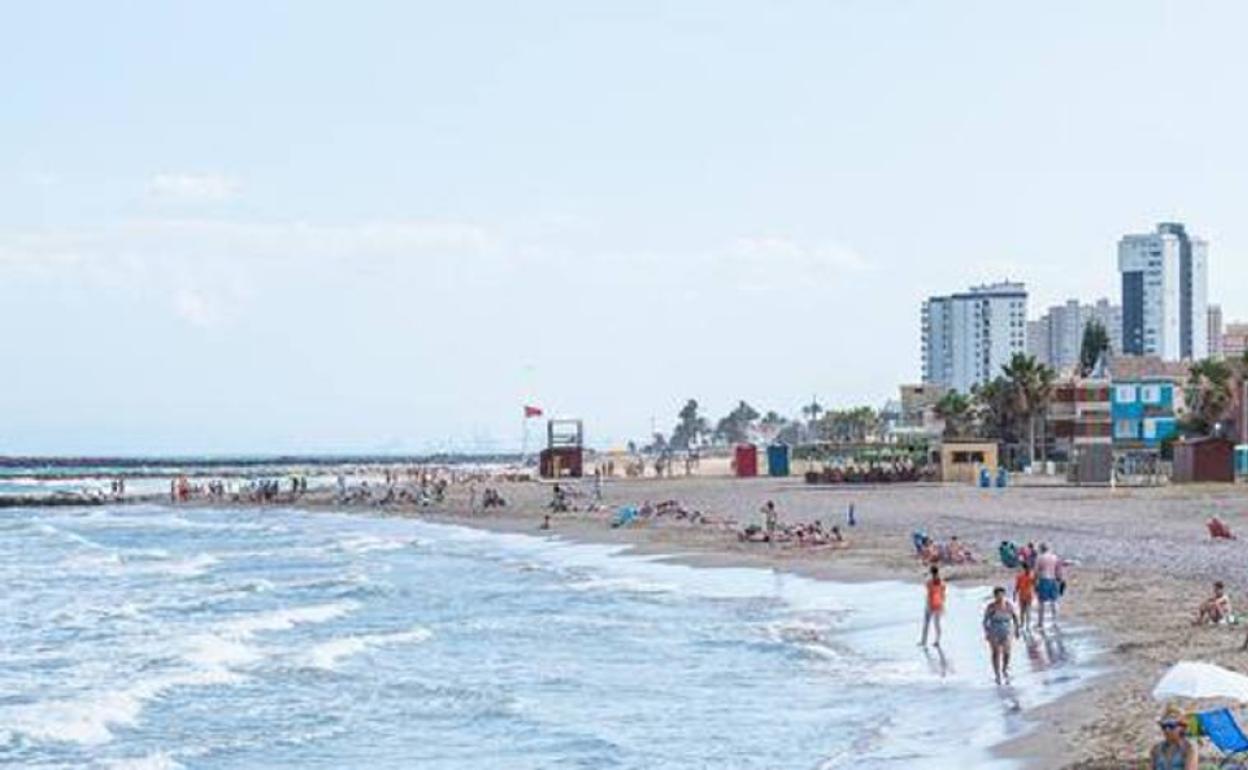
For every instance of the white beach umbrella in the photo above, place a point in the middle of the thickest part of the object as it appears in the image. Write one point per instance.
(1191, 679)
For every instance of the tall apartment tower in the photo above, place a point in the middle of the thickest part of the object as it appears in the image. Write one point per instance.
(1164, 294)
(968, 337)
(1215, 331)
(1056, 339)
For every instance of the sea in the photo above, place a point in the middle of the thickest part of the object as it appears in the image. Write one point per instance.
(147, 637)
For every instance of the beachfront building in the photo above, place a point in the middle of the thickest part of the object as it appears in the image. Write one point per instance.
(1235, 341)
(1144, 412)
(1215, 331)
(968, 337)
(1056, 339)
(1081, 428)
(1164, 294)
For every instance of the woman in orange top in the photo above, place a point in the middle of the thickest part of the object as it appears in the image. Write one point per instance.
(935, 606)
(1024, 593)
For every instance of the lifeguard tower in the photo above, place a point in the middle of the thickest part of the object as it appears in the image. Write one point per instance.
(564, 454)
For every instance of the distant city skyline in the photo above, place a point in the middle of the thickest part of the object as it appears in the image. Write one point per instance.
(299, 227)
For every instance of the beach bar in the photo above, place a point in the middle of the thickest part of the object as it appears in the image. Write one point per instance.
(961, 461)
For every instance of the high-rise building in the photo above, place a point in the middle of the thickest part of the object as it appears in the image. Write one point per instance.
(1164, 294)
(1056, 339)
(1215, 331)
(969, 337)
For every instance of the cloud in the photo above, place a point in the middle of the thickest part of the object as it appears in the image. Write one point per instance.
(209, 272)
(206, 188)
(820, 257)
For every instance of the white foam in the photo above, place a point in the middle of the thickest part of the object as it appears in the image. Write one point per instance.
(90, 720)
(327, 654)
(159, 760)
(286, 618)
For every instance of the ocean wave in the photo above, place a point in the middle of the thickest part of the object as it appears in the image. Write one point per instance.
(286, 618)
(327, 655)
(90, 720)
(360, 544)
(159, 760)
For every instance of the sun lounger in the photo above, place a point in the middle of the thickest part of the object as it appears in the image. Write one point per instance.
(1224, 732)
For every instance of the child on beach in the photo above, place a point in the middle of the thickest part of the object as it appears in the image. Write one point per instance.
(934, 608)
(1024, 593)
(1000, 624)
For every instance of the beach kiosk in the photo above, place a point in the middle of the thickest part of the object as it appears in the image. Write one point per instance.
(1241, 462)
(966, 462)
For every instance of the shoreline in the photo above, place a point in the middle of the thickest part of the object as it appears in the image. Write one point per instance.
(1143, 562)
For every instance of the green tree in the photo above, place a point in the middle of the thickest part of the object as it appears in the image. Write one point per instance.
(737, 425)
(1209, 394)
(691, 427)
(1095, 344)
(957, 410)
(1030, 390)
(848, 425)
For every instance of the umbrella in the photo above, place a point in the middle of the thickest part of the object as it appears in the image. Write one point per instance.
(1190, 679)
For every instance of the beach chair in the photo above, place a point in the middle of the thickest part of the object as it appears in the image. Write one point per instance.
(1224, 732)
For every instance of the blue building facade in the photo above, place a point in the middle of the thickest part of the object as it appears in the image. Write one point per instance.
(1143, 412)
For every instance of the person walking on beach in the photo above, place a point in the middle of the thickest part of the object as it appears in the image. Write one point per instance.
(1048, 588)
(1024, 593)
(1174, 751)
(1000, 624)
(934, 608)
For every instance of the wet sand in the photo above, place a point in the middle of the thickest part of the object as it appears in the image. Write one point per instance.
(1144, 561)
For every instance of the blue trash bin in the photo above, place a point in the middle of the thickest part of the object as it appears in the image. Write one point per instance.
(985, 478)
(1003, 477)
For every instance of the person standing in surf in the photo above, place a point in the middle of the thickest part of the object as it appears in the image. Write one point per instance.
(934, 608)
(1048, 583)
(1000, 624)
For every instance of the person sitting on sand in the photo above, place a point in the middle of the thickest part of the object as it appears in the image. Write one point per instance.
(1009, 554)
(1218, 529)
(930, 552)
(1215, 609)
(959, 553)
(1174, 751)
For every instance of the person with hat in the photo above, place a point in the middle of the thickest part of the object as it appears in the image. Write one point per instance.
(1174, 751)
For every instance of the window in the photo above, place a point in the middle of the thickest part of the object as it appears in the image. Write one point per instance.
(1125, 429)
(1150, 394)
(1124, 394)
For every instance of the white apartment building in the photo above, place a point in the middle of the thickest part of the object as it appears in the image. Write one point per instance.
(1056, 339)
(1164, 294)
(967, 338)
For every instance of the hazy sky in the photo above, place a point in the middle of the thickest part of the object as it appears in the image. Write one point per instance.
(243, 226)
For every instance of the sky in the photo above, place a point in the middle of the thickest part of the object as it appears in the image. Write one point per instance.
(240, 227)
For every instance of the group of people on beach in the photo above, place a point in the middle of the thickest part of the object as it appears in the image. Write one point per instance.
(801, 534)
(1039, 582)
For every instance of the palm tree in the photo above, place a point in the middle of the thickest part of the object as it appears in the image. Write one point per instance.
(1209, 393)
(956, 410)
(1031, 390)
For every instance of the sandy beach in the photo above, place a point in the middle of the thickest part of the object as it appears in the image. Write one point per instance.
(1142, 559)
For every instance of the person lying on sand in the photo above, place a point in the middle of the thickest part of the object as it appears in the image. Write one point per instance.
(1216, 609)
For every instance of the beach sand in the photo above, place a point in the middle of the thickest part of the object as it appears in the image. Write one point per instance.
(1143, 563)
